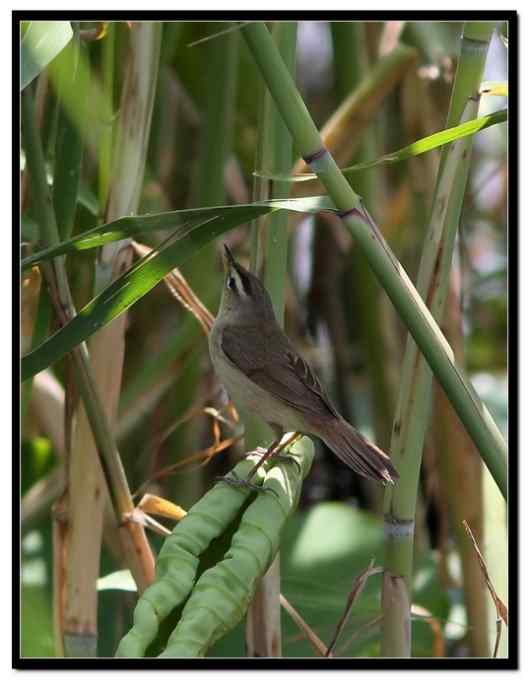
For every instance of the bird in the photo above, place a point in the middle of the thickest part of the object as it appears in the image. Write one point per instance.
(264, 374)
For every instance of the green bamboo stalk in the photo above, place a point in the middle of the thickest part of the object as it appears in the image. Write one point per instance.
(219, 64)
(86, 483)
(278, 157)
(93, 438)
(263, 629)
(118, 488)
(413, 410)
(104, 158)
(388, 270)
(351, 65)
(69, 142)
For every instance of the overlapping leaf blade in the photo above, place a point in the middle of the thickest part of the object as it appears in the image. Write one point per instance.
(144, 275)
(131, 226)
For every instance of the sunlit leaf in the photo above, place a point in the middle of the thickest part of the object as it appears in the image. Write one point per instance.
(41, 42)
(418, 147)
(145, 274)
(131, 226)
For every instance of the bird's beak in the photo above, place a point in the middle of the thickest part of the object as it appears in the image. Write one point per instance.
(228, 256)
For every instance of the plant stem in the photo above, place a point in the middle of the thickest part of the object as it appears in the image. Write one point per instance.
(351, 68)
(219, 64)
(413, 410)
(104, 158)
(140, 558)
(69, 142)
(388, 270)
(263, 628)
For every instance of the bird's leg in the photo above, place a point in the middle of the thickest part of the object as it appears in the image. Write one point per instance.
(246, 483)
(272, 451)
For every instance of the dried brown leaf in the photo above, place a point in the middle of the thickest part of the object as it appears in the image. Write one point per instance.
(155, 505)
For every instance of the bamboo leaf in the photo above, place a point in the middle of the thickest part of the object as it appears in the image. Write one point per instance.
(144, 275)
(130, 226)
(417, 148)
(42, 41)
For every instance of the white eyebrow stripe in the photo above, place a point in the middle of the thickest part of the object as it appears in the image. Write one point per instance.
(239, 284)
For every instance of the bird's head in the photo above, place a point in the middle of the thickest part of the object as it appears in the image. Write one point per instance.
(244, 296)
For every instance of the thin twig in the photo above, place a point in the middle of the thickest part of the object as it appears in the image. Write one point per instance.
(370, 624)
(203, 457)
(317, 644)
(356, 589)
(501, 610)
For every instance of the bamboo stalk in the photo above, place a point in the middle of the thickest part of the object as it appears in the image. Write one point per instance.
(343, 133)
(413, 409)
(137, 549)
(63, 304)
(220, 65)
(263, 625)
(86, 485)
(69, 142)
(388, 270)
(375, 331)
(460, 475)
(104, 148)
(219, 60)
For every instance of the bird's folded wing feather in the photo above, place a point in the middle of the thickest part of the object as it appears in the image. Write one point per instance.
(269, 359)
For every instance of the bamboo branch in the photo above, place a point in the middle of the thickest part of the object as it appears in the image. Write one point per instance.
(388, 270)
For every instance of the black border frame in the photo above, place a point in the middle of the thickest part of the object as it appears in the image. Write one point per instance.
(241, 663)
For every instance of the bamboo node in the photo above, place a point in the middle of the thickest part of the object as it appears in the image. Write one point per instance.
(396, 528)
(318, 161)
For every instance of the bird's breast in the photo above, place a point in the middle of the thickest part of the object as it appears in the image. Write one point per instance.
(246, 394)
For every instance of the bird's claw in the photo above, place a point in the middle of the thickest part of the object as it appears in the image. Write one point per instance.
(245, 484)
(289, 459)
(256, 453)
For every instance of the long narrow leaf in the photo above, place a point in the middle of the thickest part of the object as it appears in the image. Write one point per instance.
(143, 276)
(130, 226)
(433, 141)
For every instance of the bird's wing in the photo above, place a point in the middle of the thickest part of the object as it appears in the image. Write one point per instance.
(271, 362)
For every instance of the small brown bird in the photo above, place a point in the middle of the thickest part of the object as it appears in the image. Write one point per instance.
(263, 374)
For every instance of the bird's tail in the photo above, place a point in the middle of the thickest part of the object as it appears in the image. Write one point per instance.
(357, 452)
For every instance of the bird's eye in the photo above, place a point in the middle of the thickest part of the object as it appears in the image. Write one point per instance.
(231, 283)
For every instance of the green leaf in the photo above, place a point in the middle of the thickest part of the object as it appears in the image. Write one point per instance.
(434, 141)
(130, 226)
(41, 42)
(145, 274)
